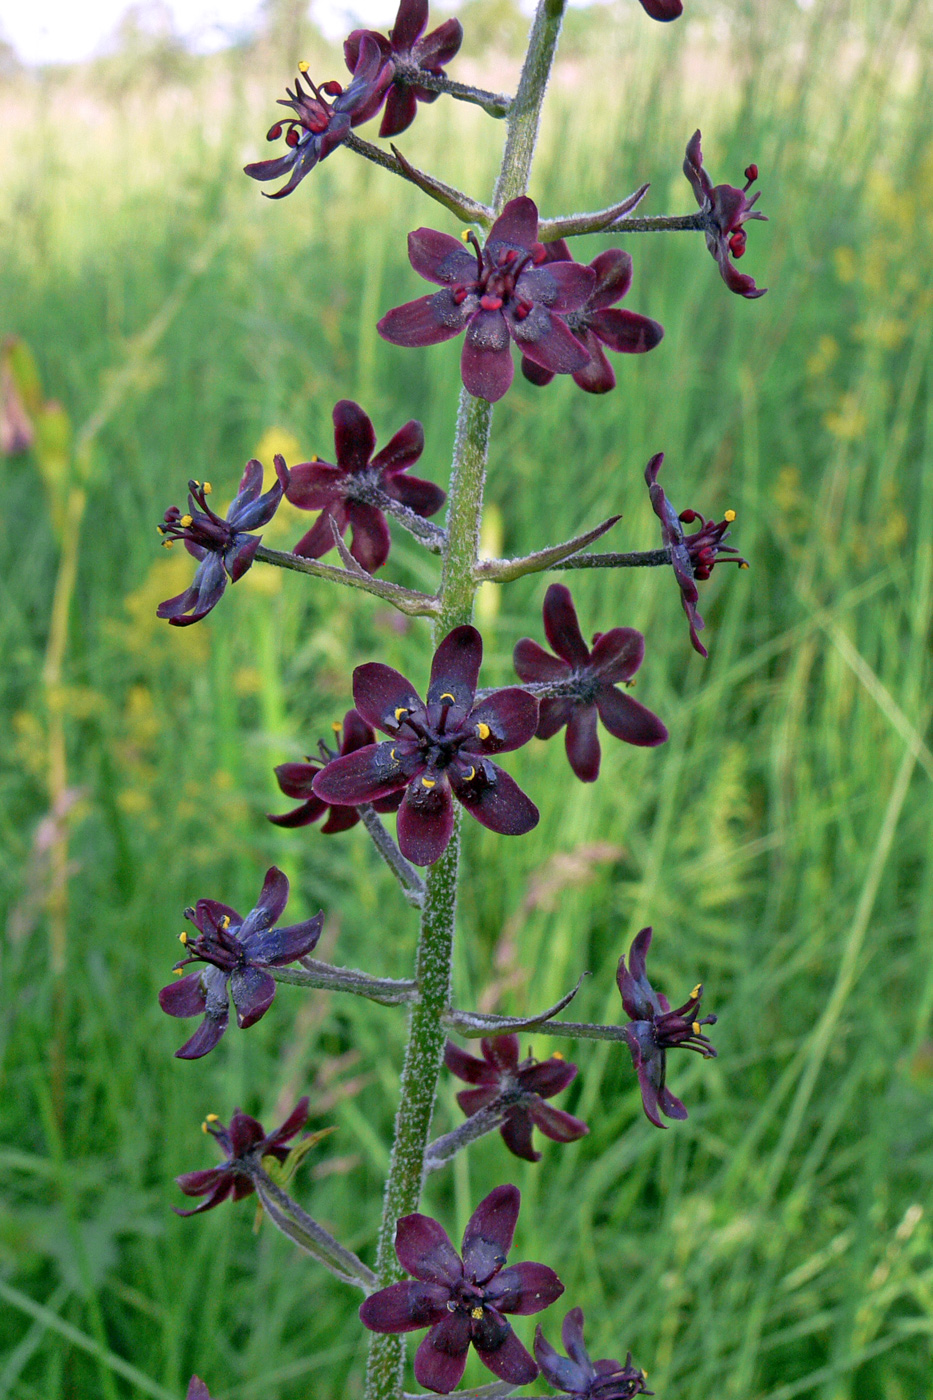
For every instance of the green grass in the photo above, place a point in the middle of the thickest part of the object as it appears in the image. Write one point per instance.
(778, 1244)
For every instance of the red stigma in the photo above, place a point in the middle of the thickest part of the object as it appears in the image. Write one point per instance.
(292, 137)
(751, 174)
(737, 243)
(274, 132)
(490, 303)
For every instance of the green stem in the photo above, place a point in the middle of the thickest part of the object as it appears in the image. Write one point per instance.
(424, 1053)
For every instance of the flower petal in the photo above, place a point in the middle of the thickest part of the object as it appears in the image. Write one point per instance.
(559, 1371)
(401, 451)
(626, 331)
(488, 1235)
(440, 1360)
(423, 497)
(582, 743)
(277, 947)
(314, 485)
(562, 628)
(304, 815)
(472, 1100)
(205, 1037)
(524, 1289)
(617, 654)
(361, 776)
(556, 1124)
(293, 1123)
(663, 10)
(438, 257)
(547, 340)
(440, 46)
(533, 663)
(501, 1051)
(572, 1337)
(455, 668)
(486, 362)
(548, 1078)
(597, 376)
(425, 820)
(469, 1068)
(295, 778)
(517, 224)
(404, 1307)
(496, 800)
(185, 997)
(320, 538)
(572, 285)
(425, 1251)
(354, 436)
(379, 692)
(516, 1133)
(371, 539)
(509, 1360)
(626, 719)
(510, 715)
(253, 991)
(427, 321)
(552, 716)
(400, 111)
(410, 23)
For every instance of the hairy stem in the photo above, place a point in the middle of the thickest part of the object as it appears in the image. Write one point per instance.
(407, 600)
(495, 103)
(407, 876)
(294, 1222)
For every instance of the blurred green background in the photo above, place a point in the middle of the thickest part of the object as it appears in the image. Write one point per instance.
(777, 1244)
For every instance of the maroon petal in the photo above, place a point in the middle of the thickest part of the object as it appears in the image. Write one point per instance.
(572, 1336)
(320, 538)
(238, 559)
(524, 1289)
(455, 668)
(700, 182)
(354, 436)
(518, 223)
(472, 1100)
(410, 23)
(582, 743)
(379, 693)
(573, 285)
(401, 110)
(253, 991)
(340, 819)
(510, 717)
(562, 627)
(663, 10)
(423, 497)
(371, 539)
(440, 258)
(401, 451)
(223, 1192)
(488, 1235)
(496, 800)
(617, 655)
(557, 1370)
(670, 1105)
(427, 321)
(486, 361)
(356, 733)
(197, 1390)
(627, 720)
(548, 1078)
(295, 778)
(404, 1307)
(509, 1360)
(626, 331)
(552, 716)
(314, 485)
(556, 1124)
(440, 46)
(425, 1251)
(547, 340)
(613, 270)
(358, 777)
(535, 374)
(425, 820)
(440, 1360)
(516, 1132)
(304, 815)
(205, 1037)
(533, 663)
(277, 947)
(199, 1183)
(501, 1051)
(185, 997)
(597, 376)
(294, 1122)
(271, 903)
(639, 998)
(469, 1068)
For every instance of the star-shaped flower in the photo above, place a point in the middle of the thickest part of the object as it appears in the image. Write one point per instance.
(237, 952)
(319, 126)
(244, 1143)
(437, 751)
(587, 680)
(222, 544)
(464, 1300)
(726, 210)
(655, 1029)
(692, 556)
(347, 494)
(295, 780)
(506, 289)
(580, 1377)
(407, 47)
(596, 324)
(524, 1086)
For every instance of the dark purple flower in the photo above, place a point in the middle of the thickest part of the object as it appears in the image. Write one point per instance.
(222, 544)
(244, 1143)
(347, 493)
(318, 126)
(692, 556)
(237, 952)
(596, 325)
(656, 1028)
(295, 780)
(407, 47)
(726, 210)
(463, 1301)
(498, 1075)
(663, 10)
(580, 1377)
(588, 681)
(505, 289)
(197, 1390)
(437, 751)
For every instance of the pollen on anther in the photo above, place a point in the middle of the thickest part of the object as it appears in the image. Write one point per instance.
(336, 726)
(303, 66)
(471, 775)
(476, 1314)
(167, 544)
(208, 488)
(557, 1055)
(743, 564)
(183, 937)
(225, 921)
(447, 696)
(483, 730)
(213, 1118)
(399, 713)
(696, 991)
(185, 521)
(696, 1028)
(428, 782)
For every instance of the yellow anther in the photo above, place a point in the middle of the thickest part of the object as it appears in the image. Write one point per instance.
(185, 521)
(428, 782)
(557, 1055)
(167, 544)
(696, 1028)
(447, 696)
(696, 991)
(196, 485)
(743, 564)
(207, 488)
(314, 457)
(476, 1314)
(161, 529)
(303, 66)
(483, 730)
(213, 1118)
(730, 516)
(336, 726)
(225, 921)
(183, 937)
(177, 971)
(465, 236)
(399, 713)
(393, 755)
(204, 1127)
(471, 775)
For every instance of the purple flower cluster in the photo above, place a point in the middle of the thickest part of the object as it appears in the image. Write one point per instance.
(727, 210)
(296, 780)
(464, 1300)
(237, 952)
(243, 1143)
(580, 1377)
(499, 1078)
(406, 47)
